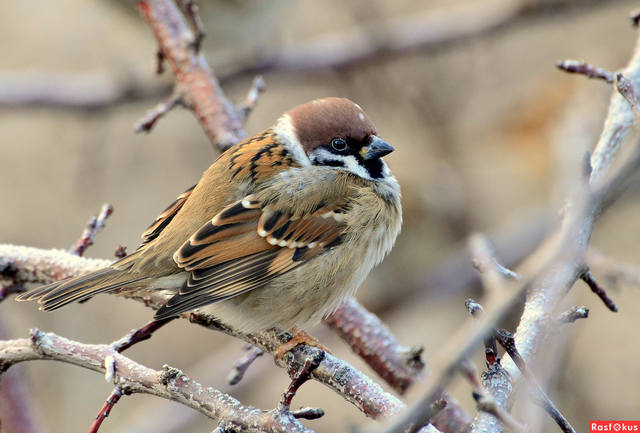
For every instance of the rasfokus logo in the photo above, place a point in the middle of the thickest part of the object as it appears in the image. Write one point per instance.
(614, 426)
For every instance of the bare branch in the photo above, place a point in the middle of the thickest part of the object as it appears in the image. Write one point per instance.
(508, 343)
(94, 226)
(195, 82)
(398, 365)
(490, 347)
(257, 87)
(146, 123)
(581, 67)
(193, 14)
(240, 368)
(573, 314)
(90, 91)
(587, 277)
(133, 377)
(138, 335)
(45, 266)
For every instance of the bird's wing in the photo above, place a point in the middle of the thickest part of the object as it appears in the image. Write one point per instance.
(165, 218)
(256, 239)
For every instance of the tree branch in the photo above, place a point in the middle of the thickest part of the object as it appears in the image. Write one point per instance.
(45, 266)
(133, 377)
(196, 84)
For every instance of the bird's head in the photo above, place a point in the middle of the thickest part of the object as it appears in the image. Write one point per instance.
(336, 132)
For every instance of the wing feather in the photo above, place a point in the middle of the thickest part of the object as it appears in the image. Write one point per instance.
(249, 243)
(165, 217)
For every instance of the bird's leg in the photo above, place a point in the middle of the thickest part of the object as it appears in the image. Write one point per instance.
(299, 337)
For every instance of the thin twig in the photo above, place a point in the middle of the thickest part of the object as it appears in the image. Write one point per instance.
(583, 68)
(573, 314)
(95, 224)
(613, 269)
(257, 87)
(104, 412)
(300, 378)
(491, 400)
(490, 347)
(138, 335)
(587, 277)
(486, 403)
(146, 123)
(193, 14)
(507, 341)
(240, 367)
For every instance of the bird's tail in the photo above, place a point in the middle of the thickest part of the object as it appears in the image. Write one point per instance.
(58, 294)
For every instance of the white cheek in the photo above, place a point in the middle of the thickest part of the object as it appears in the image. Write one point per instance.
(286, 132)
(352, 165)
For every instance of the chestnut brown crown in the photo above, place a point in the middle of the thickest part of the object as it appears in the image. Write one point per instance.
(321, 120)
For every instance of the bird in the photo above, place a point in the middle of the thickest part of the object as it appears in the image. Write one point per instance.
(278, 232)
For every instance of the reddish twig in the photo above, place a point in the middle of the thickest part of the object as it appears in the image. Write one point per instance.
(94, 226)
(138, 335)
(507, 341)
(196, 85)
(300, 378)
(104, 412)
(146, 123)
(240, 368)
(398, 365)
(580, 67)
(587, 277)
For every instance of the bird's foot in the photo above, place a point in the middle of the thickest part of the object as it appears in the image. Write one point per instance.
(299, 337)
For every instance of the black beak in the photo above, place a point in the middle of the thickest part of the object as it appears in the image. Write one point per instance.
(376, 149)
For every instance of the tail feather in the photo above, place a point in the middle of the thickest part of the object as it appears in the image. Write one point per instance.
(58, 294)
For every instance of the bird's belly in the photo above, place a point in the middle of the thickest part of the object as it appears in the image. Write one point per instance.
(300, 297)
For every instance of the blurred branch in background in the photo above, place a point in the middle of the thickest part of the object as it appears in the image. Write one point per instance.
(432, 29)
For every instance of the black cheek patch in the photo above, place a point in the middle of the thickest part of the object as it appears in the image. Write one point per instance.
(374, 167)
(333, 163)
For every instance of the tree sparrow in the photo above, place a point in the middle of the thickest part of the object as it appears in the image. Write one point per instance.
(278, 231)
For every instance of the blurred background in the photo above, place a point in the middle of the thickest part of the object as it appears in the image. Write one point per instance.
(489, 137)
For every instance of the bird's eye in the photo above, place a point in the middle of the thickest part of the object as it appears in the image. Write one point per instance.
(339, 144)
